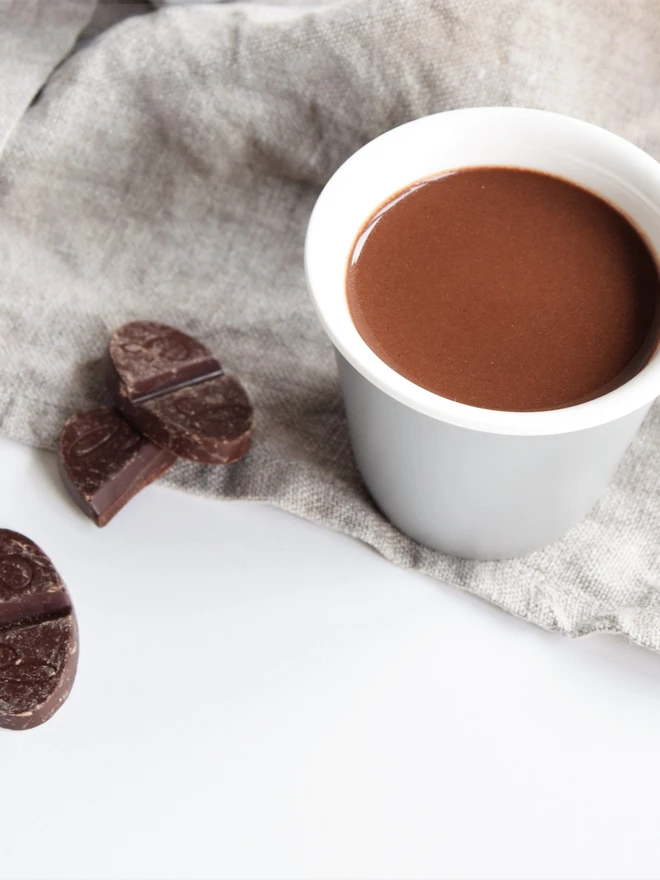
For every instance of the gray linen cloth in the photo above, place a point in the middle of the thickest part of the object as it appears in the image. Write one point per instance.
(167, 170)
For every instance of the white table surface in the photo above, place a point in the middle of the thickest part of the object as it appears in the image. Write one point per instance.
(260, 697)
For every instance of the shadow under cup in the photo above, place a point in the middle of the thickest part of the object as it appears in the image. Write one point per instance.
(477, 483)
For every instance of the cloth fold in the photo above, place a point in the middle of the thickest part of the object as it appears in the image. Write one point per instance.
(167, 172)
(34, 37)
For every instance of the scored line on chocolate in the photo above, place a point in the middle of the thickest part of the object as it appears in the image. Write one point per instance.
(35, 608)
(142, 398)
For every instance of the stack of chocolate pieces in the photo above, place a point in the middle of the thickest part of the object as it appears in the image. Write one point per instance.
(172, 400)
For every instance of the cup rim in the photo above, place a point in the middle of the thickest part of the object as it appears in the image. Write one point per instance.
(636, 393)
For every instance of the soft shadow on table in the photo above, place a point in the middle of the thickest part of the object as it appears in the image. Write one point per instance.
(625, 664)
(624, 660)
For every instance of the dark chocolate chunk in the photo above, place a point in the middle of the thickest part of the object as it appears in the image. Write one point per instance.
(153, 357)
(104, 462)
(38, 635)
(172, 389)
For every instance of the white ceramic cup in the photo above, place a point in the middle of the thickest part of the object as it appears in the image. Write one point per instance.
(477, 483)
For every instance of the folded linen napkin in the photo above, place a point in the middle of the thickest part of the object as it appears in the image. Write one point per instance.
(167, 171)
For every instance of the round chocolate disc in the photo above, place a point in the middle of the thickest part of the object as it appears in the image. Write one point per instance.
(38, 635)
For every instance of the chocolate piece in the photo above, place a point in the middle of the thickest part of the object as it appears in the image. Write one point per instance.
(172, 389)
(104, 462)
(153, 357)
(38, 635)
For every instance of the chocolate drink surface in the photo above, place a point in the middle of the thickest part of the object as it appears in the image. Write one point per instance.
(505, 289)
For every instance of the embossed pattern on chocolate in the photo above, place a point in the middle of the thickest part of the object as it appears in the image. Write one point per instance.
(104, 462)
(172, 389)
(152, 357)
(38, 635)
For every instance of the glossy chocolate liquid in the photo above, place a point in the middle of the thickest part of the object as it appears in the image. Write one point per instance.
(505, 289)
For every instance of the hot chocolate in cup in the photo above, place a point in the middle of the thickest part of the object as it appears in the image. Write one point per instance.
(476, 482)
